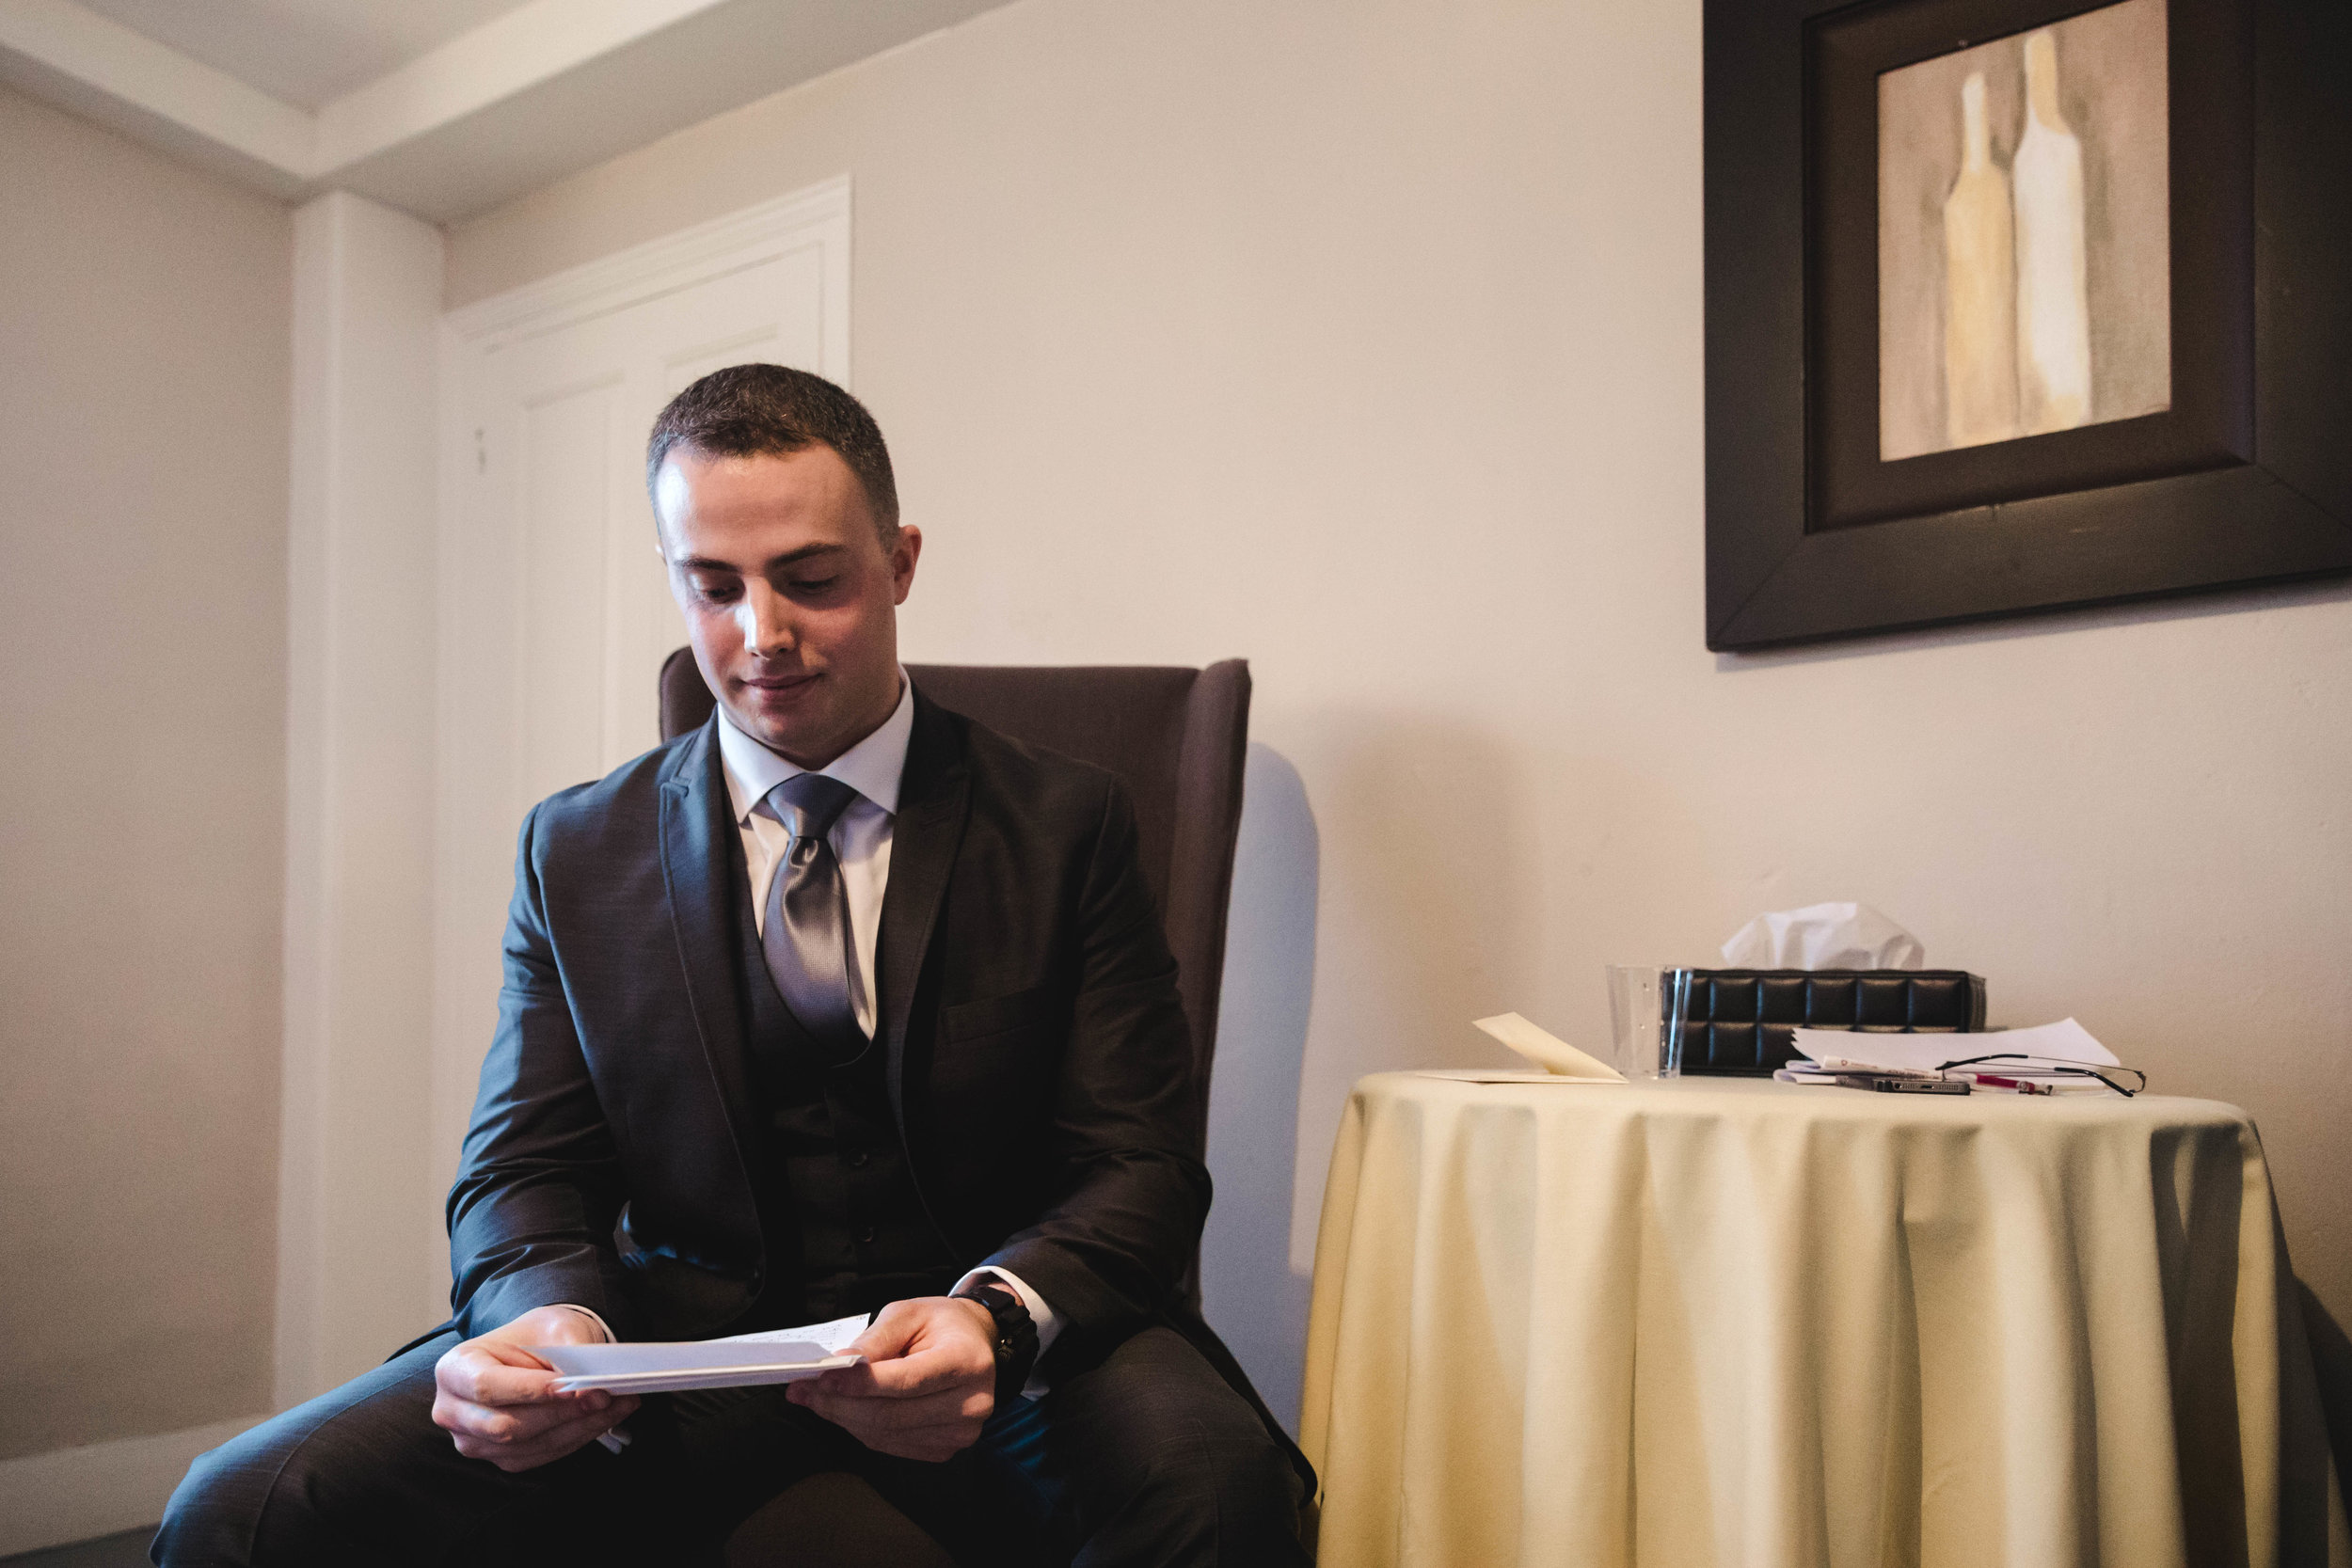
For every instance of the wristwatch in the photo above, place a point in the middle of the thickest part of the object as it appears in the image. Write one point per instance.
(1016, 1336)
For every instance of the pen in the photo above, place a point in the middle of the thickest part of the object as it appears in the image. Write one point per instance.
(2023, 1085)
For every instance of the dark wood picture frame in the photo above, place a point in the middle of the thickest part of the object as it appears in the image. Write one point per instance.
(2247, 478)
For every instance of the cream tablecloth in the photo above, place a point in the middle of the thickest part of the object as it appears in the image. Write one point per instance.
(1734, 1323)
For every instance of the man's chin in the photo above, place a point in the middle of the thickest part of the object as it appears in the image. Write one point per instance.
(791, 730)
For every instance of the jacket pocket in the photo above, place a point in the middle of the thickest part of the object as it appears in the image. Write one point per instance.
(997, 1015)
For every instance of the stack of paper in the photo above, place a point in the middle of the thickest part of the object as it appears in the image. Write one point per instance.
(654, 1366)
(2031, 1061)
(2063, 1041)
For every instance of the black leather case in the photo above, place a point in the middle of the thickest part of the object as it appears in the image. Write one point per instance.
(1737, 1021)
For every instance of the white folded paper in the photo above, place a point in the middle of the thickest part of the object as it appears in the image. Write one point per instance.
(739, 1361)
(1825, 936)
(2063, 1041)
(1548, 1050)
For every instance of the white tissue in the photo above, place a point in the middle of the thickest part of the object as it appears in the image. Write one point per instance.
(1825, 936)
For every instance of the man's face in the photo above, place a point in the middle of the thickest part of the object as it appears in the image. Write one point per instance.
(790, 600)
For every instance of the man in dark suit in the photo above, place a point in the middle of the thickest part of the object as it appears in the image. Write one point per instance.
(839, 1005)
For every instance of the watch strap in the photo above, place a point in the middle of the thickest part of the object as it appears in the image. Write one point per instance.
(1017, 1335)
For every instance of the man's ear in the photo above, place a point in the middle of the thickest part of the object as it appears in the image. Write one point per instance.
(904, 552)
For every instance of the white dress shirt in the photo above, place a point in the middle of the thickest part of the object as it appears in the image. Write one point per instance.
(861, 838)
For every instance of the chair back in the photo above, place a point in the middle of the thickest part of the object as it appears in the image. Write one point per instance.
(1174, 735)
(1176, 738)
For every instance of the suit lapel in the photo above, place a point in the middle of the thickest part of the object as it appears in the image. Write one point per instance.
(934, 793)
(697, 847)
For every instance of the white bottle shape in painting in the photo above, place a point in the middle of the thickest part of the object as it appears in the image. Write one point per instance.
(1980, 287)
(2053, 291)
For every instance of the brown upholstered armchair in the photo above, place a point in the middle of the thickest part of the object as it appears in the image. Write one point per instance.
(1176, 738)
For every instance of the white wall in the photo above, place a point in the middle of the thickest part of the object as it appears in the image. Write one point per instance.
(1365, 340)
(143, 428)
(362, 1260)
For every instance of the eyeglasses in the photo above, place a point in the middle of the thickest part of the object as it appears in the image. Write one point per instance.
(2055, 1066)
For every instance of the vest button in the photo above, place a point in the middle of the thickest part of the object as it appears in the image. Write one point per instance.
(858, 1159)
(865, 1235)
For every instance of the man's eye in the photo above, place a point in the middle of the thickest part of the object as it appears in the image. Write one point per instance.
(814, 585)
(715, 592)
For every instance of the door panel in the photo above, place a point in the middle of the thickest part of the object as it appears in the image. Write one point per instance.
(554, 606)
(562, 451)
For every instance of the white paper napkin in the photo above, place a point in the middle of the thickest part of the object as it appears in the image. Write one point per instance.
(1825, 936)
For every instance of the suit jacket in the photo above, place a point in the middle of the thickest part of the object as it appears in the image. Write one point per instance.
(1037, 1061)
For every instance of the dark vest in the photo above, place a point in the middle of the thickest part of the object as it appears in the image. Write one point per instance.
(846, 1230)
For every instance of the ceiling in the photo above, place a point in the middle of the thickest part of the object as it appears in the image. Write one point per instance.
(307, 51)
(444, 108)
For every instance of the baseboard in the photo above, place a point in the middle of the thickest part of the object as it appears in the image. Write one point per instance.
(53, 1500)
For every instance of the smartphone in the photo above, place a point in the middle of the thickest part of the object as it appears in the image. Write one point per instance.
(1892, 1083)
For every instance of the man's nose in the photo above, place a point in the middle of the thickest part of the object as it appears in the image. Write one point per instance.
(765, 617)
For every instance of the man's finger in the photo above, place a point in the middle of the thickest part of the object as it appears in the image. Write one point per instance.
(526, 1423)
(858, 1381)
(506, 1386)
(522, 1453)
(512, 1423)
(882, 1414)
(485, 1380)
(528, 1456)
(911, 1377)
(472, 1373)
(924, 1372)
(946, 1408)
(888, 1335)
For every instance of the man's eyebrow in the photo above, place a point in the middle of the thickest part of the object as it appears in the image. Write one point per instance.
(705, 563)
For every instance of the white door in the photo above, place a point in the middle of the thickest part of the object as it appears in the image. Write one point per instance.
(554, 609)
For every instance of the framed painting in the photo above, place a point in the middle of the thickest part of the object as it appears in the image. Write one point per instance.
(2021, 305)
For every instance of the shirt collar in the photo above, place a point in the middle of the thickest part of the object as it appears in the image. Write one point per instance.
(873, 767)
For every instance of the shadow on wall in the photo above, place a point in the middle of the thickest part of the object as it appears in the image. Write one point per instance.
(2227, 601)
(2331, 1361)
(1247, 1289)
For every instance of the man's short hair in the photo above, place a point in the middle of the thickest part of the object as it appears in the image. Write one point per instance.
(770, 410)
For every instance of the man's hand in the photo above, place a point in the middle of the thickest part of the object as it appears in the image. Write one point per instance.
(927, 1382)
(493, 1396)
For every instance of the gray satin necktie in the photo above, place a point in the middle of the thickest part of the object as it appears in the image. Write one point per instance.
(806, 938)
